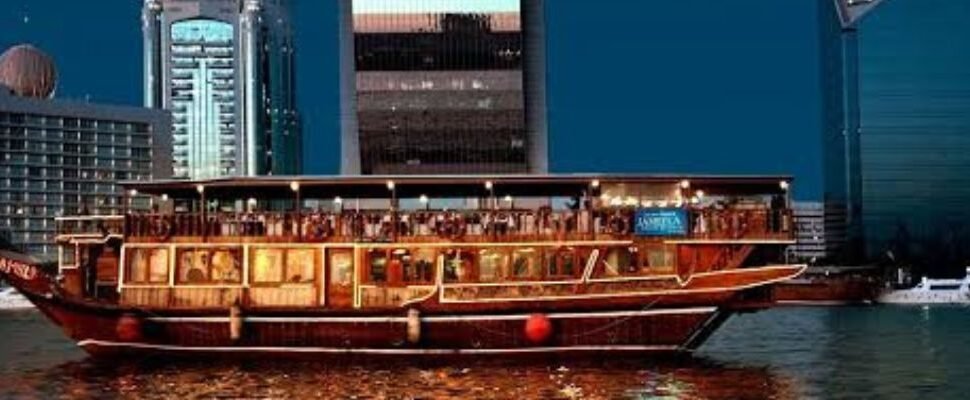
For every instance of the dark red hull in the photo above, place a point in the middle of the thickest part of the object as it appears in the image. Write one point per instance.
(648, 329)
(825, 292)
(650, 317)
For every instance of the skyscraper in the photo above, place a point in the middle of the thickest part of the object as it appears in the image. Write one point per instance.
(915, 133)
(225, 69)
(441, 86)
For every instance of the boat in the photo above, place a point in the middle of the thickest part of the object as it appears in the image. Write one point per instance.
(414, 266)
(829, 286)
(931, 291)
(11, 300)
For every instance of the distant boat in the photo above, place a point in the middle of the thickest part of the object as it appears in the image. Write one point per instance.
(932, 291)
(829, 286)
(10, 299)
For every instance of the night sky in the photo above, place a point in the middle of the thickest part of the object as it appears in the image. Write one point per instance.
(704, 86)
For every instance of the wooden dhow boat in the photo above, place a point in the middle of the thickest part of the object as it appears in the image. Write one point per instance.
(417, 265)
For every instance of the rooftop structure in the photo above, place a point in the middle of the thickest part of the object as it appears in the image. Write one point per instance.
(28, 72)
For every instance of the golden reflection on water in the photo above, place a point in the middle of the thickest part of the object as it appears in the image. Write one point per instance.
(679, 378)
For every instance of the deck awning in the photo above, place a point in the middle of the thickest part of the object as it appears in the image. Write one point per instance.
(454, 186)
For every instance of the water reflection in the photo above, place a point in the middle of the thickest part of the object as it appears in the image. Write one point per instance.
(673, 378)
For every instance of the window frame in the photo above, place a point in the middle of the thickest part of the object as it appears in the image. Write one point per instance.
(283, 277)
(129, 266)
(236, 252)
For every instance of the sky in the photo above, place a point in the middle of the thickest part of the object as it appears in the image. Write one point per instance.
(648, 86)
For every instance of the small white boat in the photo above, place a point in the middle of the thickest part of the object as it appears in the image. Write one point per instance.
(10, 299)
(931, 291)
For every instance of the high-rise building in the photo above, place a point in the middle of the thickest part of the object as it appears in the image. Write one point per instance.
(225, 69)
(810, 237)
(915, 133)
(840, 122)
(433, 86)
(62, 157)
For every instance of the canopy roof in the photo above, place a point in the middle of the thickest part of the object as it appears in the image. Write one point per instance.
(454, 186)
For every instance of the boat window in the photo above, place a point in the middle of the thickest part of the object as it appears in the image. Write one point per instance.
(945, 287)
(659, 256)
(560, 262)
(68, 255)
(210, 265)
(147, 265)
(226, 266)
(418, 265)
(526, 264)
(458, 265)
(492, 264)
(280, 265)
(618, 260)
(378, 265)
(300, 265)
(267, 265)
(341, 267)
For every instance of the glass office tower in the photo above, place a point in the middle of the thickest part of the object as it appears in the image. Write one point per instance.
(915, 93)
(225, 70)
(442, 86)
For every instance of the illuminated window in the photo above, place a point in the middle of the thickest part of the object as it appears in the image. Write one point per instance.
(619, 260)
(209, 266)
(416, 266)
(147, 265)
(525, 263)
(300, 265)
(378, 265)
(493, 265)
(341, 267)
(561, 262)
(267, 265)
(458, 265)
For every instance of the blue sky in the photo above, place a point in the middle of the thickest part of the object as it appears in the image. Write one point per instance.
(706, 86)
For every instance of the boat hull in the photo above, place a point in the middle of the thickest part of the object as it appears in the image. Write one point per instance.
(638, 320)
(572, 333)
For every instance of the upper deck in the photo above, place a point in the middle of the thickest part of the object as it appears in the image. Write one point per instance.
(422, 209)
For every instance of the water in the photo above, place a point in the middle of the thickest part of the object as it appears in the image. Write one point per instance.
(839, 353)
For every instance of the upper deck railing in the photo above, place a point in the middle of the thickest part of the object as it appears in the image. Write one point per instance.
(96, 226)
(431, 226)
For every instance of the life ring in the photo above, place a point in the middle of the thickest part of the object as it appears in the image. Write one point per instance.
(162, 229)
(321, 229)
(619, 225)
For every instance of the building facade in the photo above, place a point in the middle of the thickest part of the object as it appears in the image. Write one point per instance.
(225, 69)
(62, 158)
(431, 86)
(810, 238)
(915, 134)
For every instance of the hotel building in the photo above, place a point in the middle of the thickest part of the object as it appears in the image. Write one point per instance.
(62, 157)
